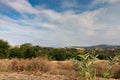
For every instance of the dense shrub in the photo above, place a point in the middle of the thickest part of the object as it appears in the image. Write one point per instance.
(4, 46)
(34, 64)
(15, 53)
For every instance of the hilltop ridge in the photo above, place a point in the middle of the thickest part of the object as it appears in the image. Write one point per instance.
(103, 46)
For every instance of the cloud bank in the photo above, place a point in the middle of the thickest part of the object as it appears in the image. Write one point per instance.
(47, 27)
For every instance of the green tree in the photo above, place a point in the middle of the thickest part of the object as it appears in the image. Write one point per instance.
(29, 53)
(4, 49)
(25, 49)
(25, 46)
(59, 54)
(15, 53)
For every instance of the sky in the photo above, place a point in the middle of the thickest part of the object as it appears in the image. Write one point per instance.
(60, 23)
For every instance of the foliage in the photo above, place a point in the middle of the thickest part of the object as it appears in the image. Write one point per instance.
(27, 50)
(86, 65)
(84, 60)
(4, 46)
(15, 53)
(111, 61)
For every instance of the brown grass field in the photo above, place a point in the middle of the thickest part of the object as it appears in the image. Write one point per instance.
(44, 69)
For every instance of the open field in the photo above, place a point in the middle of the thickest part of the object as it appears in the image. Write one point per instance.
(43, 69)
(36, 69)
(24, 76)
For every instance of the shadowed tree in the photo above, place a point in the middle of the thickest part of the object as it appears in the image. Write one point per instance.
(4, 49)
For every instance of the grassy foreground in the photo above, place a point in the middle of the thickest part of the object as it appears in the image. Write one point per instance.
(52, 70)
(44, 69)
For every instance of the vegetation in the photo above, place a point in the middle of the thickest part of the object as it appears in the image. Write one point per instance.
(87, 66)
(85, 61)
(4, 49)
(27, 50)
(41, 67)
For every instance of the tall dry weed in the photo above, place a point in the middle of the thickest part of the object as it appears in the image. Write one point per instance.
(35, 64)
(4, 65)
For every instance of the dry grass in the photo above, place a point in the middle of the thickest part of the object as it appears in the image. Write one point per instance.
(39, 66)
(35, 64)
(102, 65)
(64, 68)
(115, 71)
(4, 65)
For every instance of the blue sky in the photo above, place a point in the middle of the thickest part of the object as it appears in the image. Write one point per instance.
(60, 23)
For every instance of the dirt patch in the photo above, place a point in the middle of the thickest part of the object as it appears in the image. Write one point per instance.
(21, 76)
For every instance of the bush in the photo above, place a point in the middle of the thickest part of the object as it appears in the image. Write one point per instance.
(116, 74)
(15, 53)
(4, 49)
(38, 65)
(34, 64)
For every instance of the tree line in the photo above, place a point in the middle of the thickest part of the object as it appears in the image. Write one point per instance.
(27, 50)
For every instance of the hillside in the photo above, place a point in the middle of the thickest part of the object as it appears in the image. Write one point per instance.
(103, 46)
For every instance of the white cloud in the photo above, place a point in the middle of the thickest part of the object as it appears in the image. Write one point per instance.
(22, 6)
(96, 2)
(52, 28)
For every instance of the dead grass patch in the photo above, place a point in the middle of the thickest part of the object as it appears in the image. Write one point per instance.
(64, 68)
(34, 64)
(115, 72)
(37, 66)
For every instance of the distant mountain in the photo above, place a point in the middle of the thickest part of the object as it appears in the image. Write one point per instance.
(103, 46)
